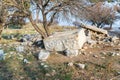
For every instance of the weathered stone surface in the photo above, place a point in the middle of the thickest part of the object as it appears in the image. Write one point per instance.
(65, 40)
(43, 55)
(71, 53)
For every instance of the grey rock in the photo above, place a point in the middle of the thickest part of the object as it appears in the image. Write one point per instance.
(45, 66)
(118, 54)
(70, 64)
(118, 73)
(43, 55)
(71, 53)
(80, 66)
(113, 53)
(20, 49)
(26, 61)
(1, 55)
(23, 40)
(95, 56)
(60, 41)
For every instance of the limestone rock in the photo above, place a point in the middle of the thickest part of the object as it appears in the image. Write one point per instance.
(65, 40)
(43, 55)
(81, 66)
(71, 53)
(20, 48)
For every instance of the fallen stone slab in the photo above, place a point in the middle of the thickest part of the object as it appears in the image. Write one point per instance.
(61, 41)
(94, 28)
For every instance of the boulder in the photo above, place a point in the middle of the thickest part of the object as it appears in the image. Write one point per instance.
(61, 41)
(43, 55)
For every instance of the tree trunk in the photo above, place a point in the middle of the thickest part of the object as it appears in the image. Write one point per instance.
(37, 15)
(110, 25)
(45, 26)
(37, 28)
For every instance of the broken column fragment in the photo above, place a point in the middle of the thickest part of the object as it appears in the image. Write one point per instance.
(72, 40)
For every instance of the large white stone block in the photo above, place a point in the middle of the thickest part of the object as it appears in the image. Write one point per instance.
(60, 41)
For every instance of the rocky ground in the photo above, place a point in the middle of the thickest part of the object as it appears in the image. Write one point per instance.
(99, 59)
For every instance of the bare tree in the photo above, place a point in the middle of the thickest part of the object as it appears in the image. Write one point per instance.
(21, 8)
(99, 14)
(49, 8)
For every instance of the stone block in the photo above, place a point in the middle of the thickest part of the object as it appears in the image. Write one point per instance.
(61, 41)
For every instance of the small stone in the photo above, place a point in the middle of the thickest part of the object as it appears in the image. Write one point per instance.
(113, 54)
(81, 66)
(71, 53)
(95, 56)
(20, 49)
(118, 73)
(42, 64)
(46, 66)
(23, 40)
(104, 53)
(47, 74)
(26, 61)
(118, 54)
(70, 64)
(43, 55)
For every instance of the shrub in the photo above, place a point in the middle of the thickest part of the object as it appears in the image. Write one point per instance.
(99, 14)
